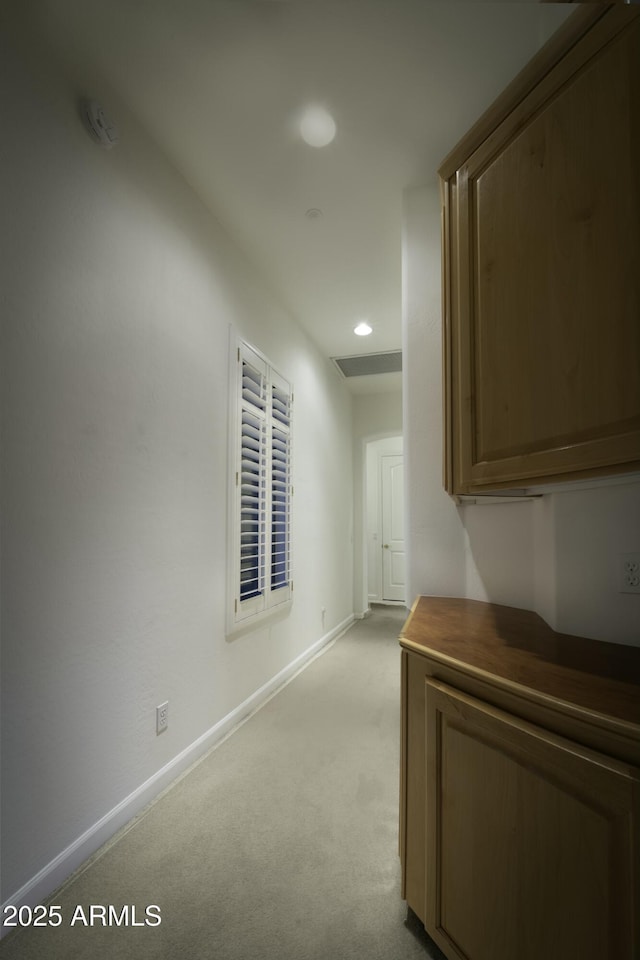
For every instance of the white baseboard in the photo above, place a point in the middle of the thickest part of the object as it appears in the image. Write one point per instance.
(41, 886)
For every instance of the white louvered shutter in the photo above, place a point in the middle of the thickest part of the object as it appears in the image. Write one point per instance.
(251, 484)
(280, 532)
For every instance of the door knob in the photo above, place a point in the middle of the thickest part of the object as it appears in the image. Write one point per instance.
(385, 546)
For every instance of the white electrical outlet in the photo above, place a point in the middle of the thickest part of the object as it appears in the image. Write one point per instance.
(162, 717)
(630, 573)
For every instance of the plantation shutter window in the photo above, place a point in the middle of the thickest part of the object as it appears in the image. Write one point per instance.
(262, 515)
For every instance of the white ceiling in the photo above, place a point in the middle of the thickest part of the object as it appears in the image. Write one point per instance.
(219, 84)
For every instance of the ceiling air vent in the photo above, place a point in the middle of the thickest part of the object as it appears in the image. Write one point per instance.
(367, 364)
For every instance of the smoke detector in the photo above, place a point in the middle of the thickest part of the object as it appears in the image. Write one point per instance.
(98, 124)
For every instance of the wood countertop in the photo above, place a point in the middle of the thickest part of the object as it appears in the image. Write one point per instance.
(513, 646)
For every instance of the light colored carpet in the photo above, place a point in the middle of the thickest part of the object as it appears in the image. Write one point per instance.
(282, 844)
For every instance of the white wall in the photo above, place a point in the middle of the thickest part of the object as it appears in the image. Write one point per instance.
(374, 416)
(118, 289)
(588, 531)
(558, 555)
(451, 550)
(434, 534)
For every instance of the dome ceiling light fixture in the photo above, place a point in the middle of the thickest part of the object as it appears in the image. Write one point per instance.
(317, 126)
(363, 329)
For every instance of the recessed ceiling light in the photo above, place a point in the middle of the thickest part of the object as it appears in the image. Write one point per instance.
(363, 329)
(317, 126)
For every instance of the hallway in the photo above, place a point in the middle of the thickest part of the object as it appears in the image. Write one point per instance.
(281, 844)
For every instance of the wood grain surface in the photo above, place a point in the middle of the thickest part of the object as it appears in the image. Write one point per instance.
(519, 647)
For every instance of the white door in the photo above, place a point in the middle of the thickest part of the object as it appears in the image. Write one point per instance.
(392, 483)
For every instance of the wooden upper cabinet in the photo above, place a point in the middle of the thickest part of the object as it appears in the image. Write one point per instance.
(541, 239)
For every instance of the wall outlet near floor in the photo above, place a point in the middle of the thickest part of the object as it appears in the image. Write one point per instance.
(630, 573)
(162, 717)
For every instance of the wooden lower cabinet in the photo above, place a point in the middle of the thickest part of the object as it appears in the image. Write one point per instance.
(519, 811)
(528, 838)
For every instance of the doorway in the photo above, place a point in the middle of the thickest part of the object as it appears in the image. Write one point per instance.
(385, 552)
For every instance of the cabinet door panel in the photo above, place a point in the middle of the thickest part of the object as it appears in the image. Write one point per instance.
(530, 847)
(547, 324)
